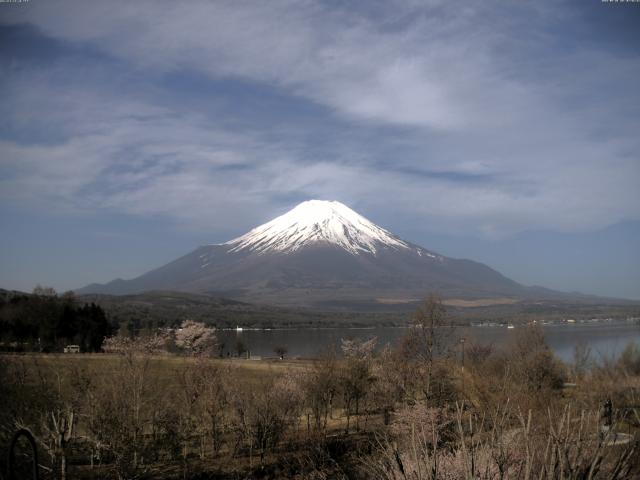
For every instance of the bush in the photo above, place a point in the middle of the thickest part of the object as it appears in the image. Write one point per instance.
(630, 359)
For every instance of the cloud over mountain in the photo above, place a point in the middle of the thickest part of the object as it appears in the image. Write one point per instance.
(487, 141)
(477, 119)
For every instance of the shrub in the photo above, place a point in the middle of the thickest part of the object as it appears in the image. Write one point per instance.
(630, 359)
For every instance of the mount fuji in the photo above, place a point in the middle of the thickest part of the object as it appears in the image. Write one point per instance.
(320, 253)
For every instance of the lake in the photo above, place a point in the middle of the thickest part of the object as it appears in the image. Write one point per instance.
(606, 338)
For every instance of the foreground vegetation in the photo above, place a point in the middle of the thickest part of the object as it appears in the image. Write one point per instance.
(419, 411)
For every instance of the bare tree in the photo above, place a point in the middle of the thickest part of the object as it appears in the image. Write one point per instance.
(429, 337)
(280, 351)
(265, 412)
(320, 386)
(240, 347)
(581, 359)
(215, 400)
(392, 381)
(41, 291)
(125, 401)
(356, 375)
(535, 365)
(60, 418)
(202, 399)
(53, 411)
(499, 445)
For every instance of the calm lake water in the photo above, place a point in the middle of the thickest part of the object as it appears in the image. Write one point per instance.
(606, 338)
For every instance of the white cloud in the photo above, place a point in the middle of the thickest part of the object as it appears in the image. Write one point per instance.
(444, 82)
(435, 73)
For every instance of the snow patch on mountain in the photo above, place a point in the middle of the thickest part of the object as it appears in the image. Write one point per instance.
(318, 221)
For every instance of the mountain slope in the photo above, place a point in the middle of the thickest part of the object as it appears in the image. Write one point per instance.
(319, 253)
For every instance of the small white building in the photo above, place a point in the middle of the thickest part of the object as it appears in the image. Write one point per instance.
(72, 349)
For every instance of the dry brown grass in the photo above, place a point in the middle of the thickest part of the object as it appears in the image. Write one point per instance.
(483, 302)
(162, 367)
(522, 381)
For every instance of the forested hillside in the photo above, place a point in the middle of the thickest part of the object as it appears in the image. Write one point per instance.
(44, 321)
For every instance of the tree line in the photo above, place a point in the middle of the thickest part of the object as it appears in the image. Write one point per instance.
(45, 321)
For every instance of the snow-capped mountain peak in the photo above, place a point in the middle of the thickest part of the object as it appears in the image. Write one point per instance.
(317, 221)
(317, 255)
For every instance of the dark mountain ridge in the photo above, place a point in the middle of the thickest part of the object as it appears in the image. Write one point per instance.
(323, 253)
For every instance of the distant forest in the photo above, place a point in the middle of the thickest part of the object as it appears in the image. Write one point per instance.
(46, 322)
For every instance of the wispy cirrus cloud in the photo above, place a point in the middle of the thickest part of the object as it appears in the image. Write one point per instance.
(476, 119)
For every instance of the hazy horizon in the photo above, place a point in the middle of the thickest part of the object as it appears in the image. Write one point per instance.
(506, 134)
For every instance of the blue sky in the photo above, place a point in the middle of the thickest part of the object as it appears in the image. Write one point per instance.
(505, 132)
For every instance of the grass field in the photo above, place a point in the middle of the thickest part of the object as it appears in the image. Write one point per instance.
(170, 416)
(164, 379)
(164, 369)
